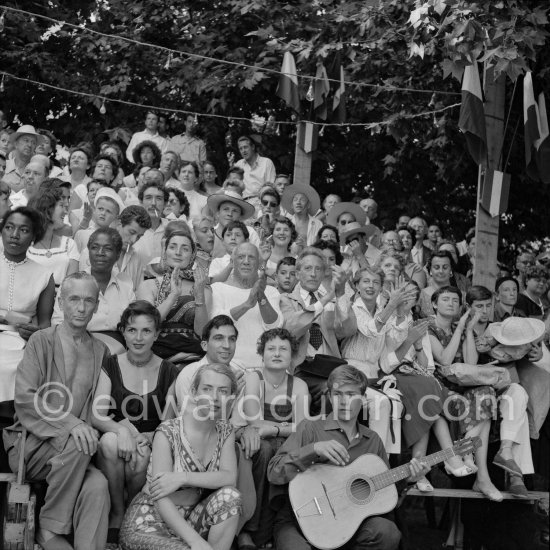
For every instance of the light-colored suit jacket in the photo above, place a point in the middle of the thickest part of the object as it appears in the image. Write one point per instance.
(335, 323)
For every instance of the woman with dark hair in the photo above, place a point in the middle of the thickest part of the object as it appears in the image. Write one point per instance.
(458, 279)
(441, 271)
(27, 291)
(282, 238)
(104, 168)
(51, 250)
(328, 233)
(189, 495)
(177, 206)
(454, 342)
(147, 153)
(80, 161)
(112, 149)
(274, 403)
(179, 295)
(411, 362)
(129, 405)
(189, 177)
(210, 179)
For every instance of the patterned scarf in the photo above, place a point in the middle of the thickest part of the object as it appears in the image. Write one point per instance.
(165, 285)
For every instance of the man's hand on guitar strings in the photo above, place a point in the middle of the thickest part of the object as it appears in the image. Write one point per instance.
(332, 451)
(418, 470)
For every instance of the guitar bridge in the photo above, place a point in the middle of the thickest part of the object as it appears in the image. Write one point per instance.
(309, 509)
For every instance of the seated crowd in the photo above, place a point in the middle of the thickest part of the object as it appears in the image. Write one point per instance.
(215, 338)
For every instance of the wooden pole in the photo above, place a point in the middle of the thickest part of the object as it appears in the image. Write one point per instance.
(302, 165)
(485, 263)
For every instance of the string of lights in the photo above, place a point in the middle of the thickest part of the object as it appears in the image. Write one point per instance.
(105, 99)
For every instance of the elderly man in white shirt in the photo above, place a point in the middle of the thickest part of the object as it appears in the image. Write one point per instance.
(149, 134)
(257, 170)
(253, 306)
(302, 203)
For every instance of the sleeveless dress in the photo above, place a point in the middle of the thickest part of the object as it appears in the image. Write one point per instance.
(144, 529)
(143, 411)
(472, 405)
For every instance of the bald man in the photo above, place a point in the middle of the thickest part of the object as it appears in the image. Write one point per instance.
(33, 175)
(370, 206)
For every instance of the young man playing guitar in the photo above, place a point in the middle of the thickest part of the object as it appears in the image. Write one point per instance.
(337, 440)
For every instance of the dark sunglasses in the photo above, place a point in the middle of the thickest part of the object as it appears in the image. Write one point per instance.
(270, 203)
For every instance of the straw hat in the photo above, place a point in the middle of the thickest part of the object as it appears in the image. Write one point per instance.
(217, 199)
(307, 190)
(25, 130)
(355, 228)
(353, 208)
(516, 331)
(108, 193)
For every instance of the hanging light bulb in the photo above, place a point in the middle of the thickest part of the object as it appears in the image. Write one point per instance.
(196, 121)
(309, 95)
(2, 20)
(278, 130)
(322, 131)
(168, 61)
(2, 84)
(103, 109)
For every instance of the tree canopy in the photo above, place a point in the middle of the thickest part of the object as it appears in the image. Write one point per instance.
(418, 165)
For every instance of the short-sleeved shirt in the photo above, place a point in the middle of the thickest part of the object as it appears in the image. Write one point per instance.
(148, 416)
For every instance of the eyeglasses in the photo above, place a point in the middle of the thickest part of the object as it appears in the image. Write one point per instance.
(344, 222)
(270, 203)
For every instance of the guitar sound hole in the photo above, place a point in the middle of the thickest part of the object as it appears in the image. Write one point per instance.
(360, 489)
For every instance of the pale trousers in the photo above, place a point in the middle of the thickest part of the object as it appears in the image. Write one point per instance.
(515, 425)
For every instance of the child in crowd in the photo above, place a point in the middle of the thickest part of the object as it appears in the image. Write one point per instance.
(285, 275)
(233, 234)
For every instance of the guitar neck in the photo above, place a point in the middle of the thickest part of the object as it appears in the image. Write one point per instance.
(401, 472)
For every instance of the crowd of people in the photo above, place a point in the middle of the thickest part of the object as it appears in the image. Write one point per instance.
(215, 335)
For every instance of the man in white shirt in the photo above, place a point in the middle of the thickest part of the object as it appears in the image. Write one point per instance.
(149, 134)
(153, 198)
(419, 252)
(253, 306)
(170, 167)
(370, 206)
(219, 340)
(257, 170)
(33, 175)
(228, 206)
(24, 142)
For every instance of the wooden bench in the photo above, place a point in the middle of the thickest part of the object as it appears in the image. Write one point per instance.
(468, 493)
(455, 537)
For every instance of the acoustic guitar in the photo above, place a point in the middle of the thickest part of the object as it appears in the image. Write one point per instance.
(330, 502)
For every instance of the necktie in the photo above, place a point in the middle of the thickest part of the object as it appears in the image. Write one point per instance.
(315, 335)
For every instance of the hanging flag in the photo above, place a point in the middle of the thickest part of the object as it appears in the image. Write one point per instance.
(308, 136)
(496, 189)
(531, 122)
(472, 115)
(543, 143)
(287, 89)
(336, 72)
(321, 89)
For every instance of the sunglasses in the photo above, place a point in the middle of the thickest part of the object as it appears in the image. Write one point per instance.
(270, 203)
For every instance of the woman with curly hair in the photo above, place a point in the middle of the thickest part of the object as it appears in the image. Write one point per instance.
(532, 301)
(333, 256)
(147, 154)
(274, 403)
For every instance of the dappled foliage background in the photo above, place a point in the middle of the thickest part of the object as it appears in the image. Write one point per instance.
(414, 166)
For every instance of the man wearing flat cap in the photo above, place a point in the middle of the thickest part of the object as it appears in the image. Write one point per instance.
(24, 142)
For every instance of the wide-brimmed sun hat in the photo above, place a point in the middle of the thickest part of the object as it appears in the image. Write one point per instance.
(217, 199)
(516, 331)
(307, 190)
(25, 130)
(355, 228)
(353, 208)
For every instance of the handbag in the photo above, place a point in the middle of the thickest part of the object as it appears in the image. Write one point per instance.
(466, 375)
